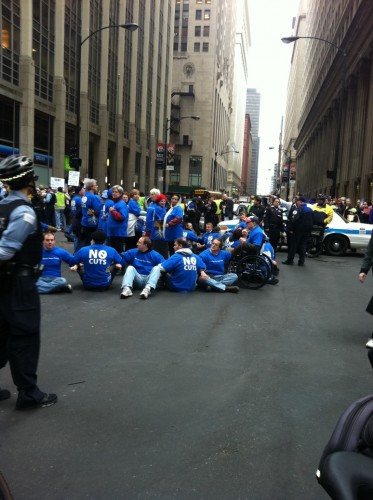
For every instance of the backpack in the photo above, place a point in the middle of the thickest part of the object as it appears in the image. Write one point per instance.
(353, 432)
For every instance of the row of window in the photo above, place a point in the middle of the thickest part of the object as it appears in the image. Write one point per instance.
(194, 175)
(206, 31)
(197, 47)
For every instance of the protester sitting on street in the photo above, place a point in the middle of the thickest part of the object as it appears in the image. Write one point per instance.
(182, 268)
(51, 280)
(215, 277)
(97, 263)
(142, 269)
(189, 235)
(173, 223)
(256, 235)
(208, 237)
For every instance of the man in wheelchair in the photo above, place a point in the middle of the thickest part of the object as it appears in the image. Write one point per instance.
(253, 242)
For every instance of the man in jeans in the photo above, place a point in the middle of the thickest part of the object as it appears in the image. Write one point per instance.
(142, 269)
(51, 280)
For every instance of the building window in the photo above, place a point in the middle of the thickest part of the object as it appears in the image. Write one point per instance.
(10, 41)
(198, 1)
(198, 15)
(175, 173)
(206, 15)
(197, 30)
(71, 43)
(195, 171)
(205, 47)
(43, 47)
(9, 123)
(206, 31)
(207, 1)
(197, 47)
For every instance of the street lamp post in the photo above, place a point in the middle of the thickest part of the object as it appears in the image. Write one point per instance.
(127, 26)
(331, 174)
(167, 127)
(219, 155)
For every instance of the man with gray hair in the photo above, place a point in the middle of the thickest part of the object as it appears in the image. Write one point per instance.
(150, 212)
(91, 205)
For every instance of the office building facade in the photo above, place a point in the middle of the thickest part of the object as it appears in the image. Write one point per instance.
(253, 109)
(125, 81)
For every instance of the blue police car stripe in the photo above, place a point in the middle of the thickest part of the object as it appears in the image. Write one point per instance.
(347, 231)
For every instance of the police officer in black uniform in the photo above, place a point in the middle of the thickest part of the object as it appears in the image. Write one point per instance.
(273, 223)
(20, 252)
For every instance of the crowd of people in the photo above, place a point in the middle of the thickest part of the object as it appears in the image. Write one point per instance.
(151, 243)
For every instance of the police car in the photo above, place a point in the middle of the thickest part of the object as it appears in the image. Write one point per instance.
(340, 235)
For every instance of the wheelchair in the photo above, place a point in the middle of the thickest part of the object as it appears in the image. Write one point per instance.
(253, 270)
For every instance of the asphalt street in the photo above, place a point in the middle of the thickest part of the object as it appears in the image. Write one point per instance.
(198, 396)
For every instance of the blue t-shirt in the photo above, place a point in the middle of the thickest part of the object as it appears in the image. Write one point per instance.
(75, 204)
(215, 264)
(256, 236)
(97, 260)
(52, 259)
(91, 205)
(158, 214)
(189, 235)
(134, 207)
(118, 227)
(176, 231)
(183, 267)
(208, 238)
(143, 262)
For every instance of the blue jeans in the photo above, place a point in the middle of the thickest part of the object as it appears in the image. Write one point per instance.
(219, 282)
(60, 219)
(50, 284)
(132, 278)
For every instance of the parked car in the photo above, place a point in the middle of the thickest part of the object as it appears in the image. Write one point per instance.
(341, 235)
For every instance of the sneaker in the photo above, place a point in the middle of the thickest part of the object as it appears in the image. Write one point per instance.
(68, 289)
(48, 400)
(145, 293)
(4, 394)
(288, 262)
(369, 344)
(208, 288)
(300, 263)
(232, 289)
(127, 292)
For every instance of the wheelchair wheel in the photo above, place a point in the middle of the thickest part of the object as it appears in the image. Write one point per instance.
(253, 272)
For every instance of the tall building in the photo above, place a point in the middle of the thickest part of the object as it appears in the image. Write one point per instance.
(253, 109)
(124, 77)
(206, 69)
(287, 184)
(335, 141)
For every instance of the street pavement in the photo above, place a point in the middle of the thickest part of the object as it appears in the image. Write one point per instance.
(199, 396)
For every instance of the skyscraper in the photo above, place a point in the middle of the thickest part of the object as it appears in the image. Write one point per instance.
(253, 108)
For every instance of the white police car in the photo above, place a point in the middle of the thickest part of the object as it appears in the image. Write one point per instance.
(341, 235)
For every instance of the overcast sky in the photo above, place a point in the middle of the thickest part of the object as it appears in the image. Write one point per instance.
(269, 64)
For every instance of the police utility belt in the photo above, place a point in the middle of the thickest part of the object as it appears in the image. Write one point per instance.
(11, 269)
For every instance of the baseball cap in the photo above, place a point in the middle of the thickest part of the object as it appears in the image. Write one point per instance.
(252, 218)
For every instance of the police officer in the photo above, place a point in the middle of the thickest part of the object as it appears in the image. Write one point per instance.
(299, 226)
(20, 252)
(273, 223)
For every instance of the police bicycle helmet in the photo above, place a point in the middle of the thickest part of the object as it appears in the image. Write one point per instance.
(321, 197)
(17, 171)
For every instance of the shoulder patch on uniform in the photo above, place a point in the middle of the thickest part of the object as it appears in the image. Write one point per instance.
(29, 218)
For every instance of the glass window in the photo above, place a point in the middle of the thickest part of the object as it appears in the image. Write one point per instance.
(205, 47)
(10, 41)
(206, 15)
(195, 171)
(197, 47)
(175, 173)
(206, 31)
(43, 47)
(197, 30)
(198, 15)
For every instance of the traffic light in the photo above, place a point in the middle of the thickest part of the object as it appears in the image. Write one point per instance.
(74, 161)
